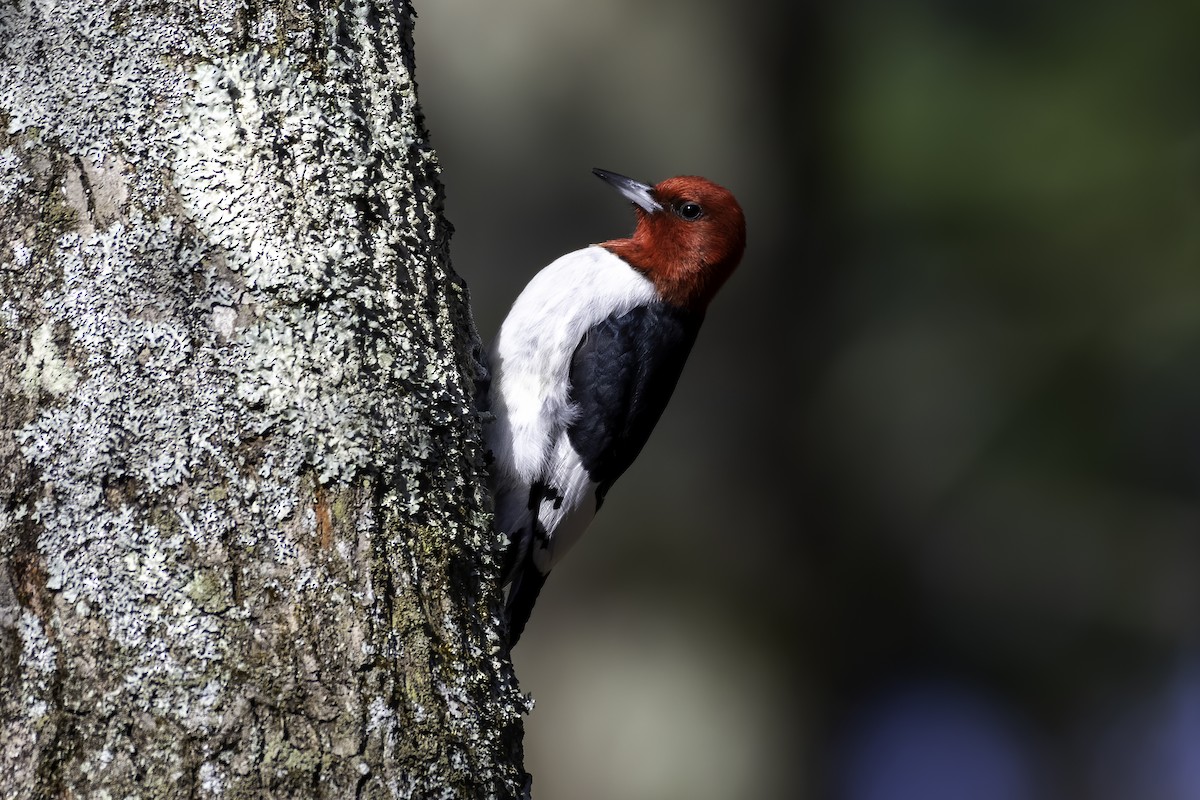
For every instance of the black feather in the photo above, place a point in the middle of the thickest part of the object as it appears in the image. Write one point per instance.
(622, 375)
(522, 594)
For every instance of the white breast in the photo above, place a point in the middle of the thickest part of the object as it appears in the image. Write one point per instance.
(531, 358)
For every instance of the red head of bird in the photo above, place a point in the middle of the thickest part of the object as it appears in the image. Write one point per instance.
(689, 238)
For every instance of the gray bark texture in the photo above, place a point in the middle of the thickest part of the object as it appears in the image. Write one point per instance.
(244, 532)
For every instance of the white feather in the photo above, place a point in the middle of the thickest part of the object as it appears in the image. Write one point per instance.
(531, 361)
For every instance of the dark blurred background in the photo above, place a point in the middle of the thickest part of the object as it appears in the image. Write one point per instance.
(923, 519)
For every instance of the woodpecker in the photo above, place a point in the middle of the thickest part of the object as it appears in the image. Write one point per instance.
(586, 361)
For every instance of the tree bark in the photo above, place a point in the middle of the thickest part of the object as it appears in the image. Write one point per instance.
(245, 544)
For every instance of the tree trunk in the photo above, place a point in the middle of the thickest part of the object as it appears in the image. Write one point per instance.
(244, 535)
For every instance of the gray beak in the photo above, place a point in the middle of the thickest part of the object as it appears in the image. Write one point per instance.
(635, 192)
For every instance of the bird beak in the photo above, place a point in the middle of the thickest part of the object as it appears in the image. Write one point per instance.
(635, 192)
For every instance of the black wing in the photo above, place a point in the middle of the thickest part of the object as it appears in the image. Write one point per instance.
(622, 375)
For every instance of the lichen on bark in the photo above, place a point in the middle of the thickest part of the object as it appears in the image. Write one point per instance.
(244, 540)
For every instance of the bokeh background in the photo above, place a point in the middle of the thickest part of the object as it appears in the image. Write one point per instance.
(923, 519)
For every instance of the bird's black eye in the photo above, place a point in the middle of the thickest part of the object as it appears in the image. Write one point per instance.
(690, 211)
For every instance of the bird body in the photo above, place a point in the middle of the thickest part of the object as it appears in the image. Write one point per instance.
(586, 361)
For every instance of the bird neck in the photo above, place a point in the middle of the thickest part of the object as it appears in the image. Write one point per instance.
(680, 278)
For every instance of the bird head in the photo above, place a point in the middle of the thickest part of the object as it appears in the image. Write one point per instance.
(689, 238)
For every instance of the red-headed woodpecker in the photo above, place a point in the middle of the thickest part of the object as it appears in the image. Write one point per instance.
(586, 361)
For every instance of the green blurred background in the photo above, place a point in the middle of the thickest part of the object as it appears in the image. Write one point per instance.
(923, 519)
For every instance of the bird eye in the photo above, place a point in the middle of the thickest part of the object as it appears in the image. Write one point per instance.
(690, 211)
